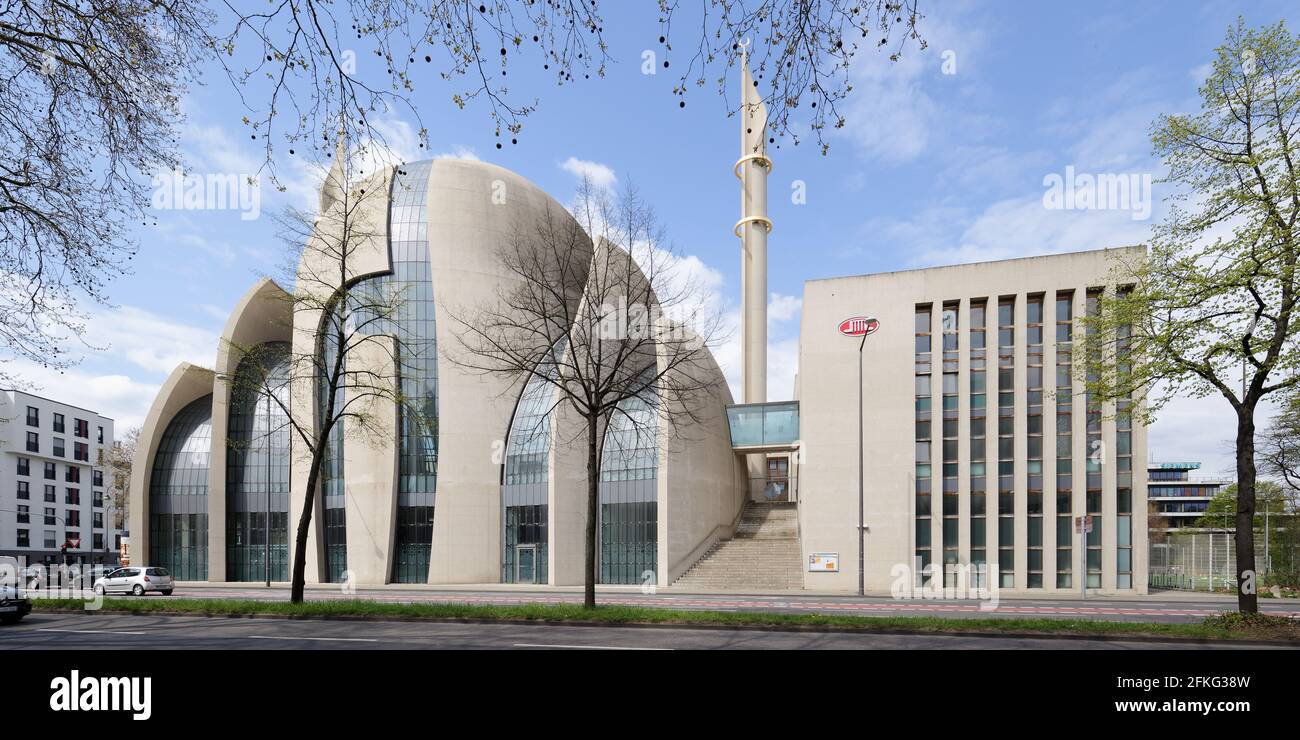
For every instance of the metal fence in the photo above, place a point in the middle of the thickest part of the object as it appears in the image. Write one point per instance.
(1207, 561)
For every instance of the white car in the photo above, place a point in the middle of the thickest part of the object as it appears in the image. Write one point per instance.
(136, 580)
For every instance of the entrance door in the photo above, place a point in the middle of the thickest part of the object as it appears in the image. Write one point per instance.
(526, 564)
(777, 487)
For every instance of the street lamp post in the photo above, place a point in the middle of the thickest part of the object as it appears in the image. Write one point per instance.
(862, 541)
(860, 326)
(267, 538)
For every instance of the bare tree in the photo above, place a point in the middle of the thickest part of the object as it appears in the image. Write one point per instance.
(314, 58)
(599, 309)
(807, 51)
(90, 102)
(118, 461)
(348, 352)
(1279, 447)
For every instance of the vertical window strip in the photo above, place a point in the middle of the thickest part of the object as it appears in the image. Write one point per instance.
(950, 325)
(1006, 442)
(1096, 454)
(1064, 438)
(1034, 434)
(978, 441)
(924, 437)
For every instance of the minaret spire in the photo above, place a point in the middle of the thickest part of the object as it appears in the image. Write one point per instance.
(752, 169)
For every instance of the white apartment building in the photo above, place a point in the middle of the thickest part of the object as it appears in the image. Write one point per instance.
(53, 482)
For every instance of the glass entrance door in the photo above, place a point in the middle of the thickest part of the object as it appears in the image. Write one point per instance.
(526, 564)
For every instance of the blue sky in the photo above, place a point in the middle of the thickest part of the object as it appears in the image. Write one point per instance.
(931, 169)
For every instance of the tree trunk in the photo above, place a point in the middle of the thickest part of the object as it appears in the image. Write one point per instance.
(304, 521)
(593, 504)
(1247, 582)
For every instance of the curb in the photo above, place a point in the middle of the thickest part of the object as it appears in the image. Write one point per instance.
(1163, 639)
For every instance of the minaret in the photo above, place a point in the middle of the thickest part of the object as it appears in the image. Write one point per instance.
(753, 227)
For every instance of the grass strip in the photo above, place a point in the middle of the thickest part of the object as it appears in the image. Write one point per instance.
(1214, 628)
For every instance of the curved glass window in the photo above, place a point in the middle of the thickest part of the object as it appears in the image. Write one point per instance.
(413, 325)
(178, 494)
(257, 467)
(629, 510)
(408, 293)
(525, 485)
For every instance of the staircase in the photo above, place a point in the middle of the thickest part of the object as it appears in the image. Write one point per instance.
(762, 556)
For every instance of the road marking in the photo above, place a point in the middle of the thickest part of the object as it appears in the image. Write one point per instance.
(91, 632)
(320, 639)
(583, 647)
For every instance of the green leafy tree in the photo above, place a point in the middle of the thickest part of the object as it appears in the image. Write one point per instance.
(1211, 310)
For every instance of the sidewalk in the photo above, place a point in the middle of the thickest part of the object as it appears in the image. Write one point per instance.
(1160, 596)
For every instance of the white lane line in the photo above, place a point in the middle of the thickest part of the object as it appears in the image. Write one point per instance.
(91, 632)
(319, 639)
(583, 647)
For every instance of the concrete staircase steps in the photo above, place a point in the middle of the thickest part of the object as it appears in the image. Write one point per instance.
(763, 555)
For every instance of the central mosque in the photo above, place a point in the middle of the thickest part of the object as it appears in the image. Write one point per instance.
(973, 458)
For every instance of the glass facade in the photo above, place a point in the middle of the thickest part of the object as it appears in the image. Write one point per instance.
(1006, 442)
(1123, 468)
(763, 424)
(257, 467)
(331, 474)
(408, 293)
(1096, 455)
(924, 442)
(1064, 438)
(978, 441)
(628, 524)
(178, 494)
(1020, 439)
(951, 497)
(1034, 433)
(525, 482)
(413, 325)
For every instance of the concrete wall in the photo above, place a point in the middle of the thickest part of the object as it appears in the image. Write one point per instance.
(701, 482)
(474, 210)
(828, 393)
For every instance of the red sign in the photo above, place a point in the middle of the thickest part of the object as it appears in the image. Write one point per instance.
(859, 326)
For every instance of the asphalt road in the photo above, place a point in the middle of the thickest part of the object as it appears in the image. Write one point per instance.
(1155, 609)
(157, 632)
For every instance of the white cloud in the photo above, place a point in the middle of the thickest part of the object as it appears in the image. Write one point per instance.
(151, 342)
(782, 308)
(121, 398)
(782, 346)
(133, 351)
(891, 115)
(601, 175)
(1197, 430)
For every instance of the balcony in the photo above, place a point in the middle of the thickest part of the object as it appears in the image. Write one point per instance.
(764, 427)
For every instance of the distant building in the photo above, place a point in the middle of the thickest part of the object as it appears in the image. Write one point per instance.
(1177, 501)
(52, 482)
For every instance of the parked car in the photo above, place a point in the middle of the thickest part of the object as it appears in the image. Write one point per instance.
(14, 604)
(136, 580)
